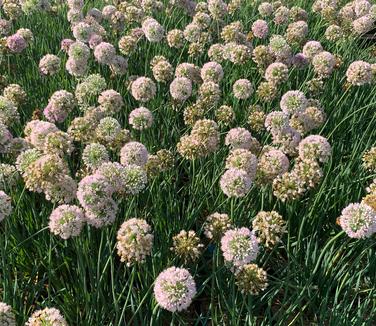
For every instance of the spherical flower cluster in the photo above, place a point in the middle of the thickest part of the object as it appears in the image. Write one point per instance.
(15, 94)
(359, 73)
(109, 133)
(47, 316)
(251, 279)
(212, 71)
(272, 163)
(311, 118)
(7, 317)
(242, 89)
(163, 71)
(59, 106)
(242, 159)
(369, 159)
(175, 38)
(153, 31)
(188, 70)
(66, 221)
(277, 122)
(141, 118)
(281, 15)
(5, 205)
(224, 114)
(94, 155)
(297, 32)
(209, 94)
(280, 48)
(58, 142)
(265, 9)
(323, 64)
(363, 24)
(89, 89)
(36, 132)
(49, 65)
(276, 73)
(216, 225)
(235, 183)
(358, 221)
(8, 112)
(82, 32)
(143, 89)
(260, 29)
(134, 153)
(16, 43)
(181, 89)
(269, 227)
(77, 63)
(134, 241)
(293, 102)
(104, 53)
(315, 147)
(94, 194)
(110, 102)
(187, 246)
(238, 54)
(239, 247)
(334, 33)
(239, 138)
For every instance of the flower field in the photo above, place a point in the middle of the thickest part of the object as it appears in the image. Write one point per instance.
(187, 162)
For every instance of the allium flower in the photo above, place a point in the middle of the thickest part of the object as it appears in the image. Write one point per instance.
(90, 88)
(8, 112)
(209, 94)
(134, 178)
(93, 191)
(188, 70)
(281, 15)
(119, 65)
(216, 225)
(16, 43)
(141, 118)
(359, 73)
(5, 27)
(262, 56)
(153, 31)
(47, 316)
(217, 9)
(251, 279)
(76, 68)
(293, 102)
(361, 7)
(239, 247)
(94, 155)
(315, 147)
(334, 33)
(235, 183)
(363, 24)
(175, 38)
(5, 206)
(260, 29)
(280, 48)
(311, 118)
(134, 241)
(134, 153)
(297, 32)
(369, 159)
(244, 160)
(358, 221)
(108, 11)
(110, 102)
(163, 71)
(265, 9)
(300, 61)
(187, 246)
(15, 94)
(7, 317)
(242, 89)
(272, 163)
(143, 89)
(36, 132)
(238, 54)
(323, 63)
(49, 64)
(181, 89)
(82, 32)
(277, 73)
(239, 138)
(104, 53)
(256, 120)
(277, 122)
(66, 221)
(59, 106)
(224, 114)
(212, 71)
(269, 227)
(192, 32)
(26, 158)
(174, 289)
(216, 52)
(5, 138)
(79, 52)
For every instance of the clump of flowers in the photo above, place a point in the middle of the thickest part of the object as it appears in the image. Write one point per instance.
(269, 227)
(6, 315)
(272, 163)
(47, 316)
(224, 114)
(59, 106)
(216, 225)
(143, 89)
(369, 159)
(153, 31)
(293, 102)
(134, 153)
(242, 89)
(212, 71)
(5, 205)
(181, 89)
(187, 246)
(134, 241)
(49, 65)
(242, 159)
(358, 221)
(163, 71)
(359, 73)
(260, 29)
(235, 183)
(276, 73)
(66, 221)
(239, 247)
(15, 94)
(251, 279)
(94, 155)
(175, 289)
(315, 147)
(324, 64)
